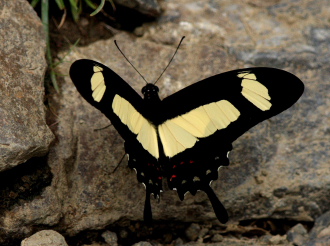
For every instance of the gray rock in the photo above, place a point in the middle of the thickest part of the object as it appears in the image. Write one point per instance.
(147, 7)
(45, 238)
(193, 231)
(96, 244)
(25, 136)
(217, 238)
(297, 234)
(279, 169)
(24, 132)
(320, 234)
(142, 243)
(110, 238)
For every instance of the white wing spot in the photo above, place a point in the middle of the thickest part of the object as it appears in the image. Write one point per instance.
(97, 84)
(254, 91)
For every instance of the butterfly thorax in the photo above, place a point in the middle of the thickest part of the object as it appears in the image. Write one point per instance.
(150, 93)
(152, 103)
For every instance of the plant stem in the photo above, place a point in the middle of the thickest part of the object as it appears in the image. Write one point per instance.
(45, 21)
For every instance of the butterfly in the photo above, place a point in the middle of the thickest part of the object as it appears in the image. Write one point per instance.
(187, 136)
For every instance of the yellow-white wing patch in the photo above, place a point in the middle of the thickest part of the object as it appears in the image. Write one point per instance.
(145, 131)
(182, 132)
(254, 91)
(98, 84)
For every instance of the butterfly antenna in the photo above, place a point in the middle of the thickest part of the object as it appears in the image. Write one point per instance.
(102, 128)
(171, 59)
(121, 160)
(129, 61)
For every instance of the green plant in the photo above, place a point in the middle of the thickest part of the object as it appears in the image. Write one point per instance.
(75, 7)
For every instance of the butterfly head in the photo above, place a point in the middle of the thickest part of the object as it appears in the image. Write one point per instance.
(150, 92)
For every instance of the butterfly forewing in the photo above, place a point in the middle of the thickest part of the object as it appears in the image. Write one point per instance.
(256, 93)
(109, 93)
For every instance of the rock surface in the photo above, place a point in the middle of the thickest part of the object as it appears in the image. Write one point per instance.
(297, 234)
(278, 170)
(147, 7)
(25, 136)
(320, 234)
(45, 238)
(24, 133)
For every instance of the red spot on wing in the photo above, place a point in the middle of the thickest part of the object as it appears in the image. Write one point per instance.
(173, 177)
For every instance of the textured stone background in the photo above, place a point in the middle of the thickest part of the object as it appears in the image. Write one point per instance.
(278, 170)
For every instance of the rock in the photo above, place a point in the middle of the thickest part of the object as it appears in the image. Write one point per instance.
(217, 238)
(147, 7)
(142, 243)
(178, 242)
(45, 238)
(96, 244)
(292, 148)
(193, 231)
(278, 240)
(24, 132)
(25, 137)
(297, 234)
(110, 238)
(278, 169)
(320, 234)
(274, 240)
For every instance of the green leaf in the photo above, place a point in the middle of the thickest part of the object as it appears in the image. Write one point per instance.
(98, 9)
(60, 4)
(45, 21)
(91, 4)
(34, 3)
(75, 10)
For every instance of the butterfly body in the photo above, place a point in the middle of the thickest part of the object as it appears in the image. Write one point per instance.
(187, 136)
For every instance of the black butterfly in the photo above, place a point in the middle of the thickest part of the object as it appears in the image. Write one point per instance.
(187, 136)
